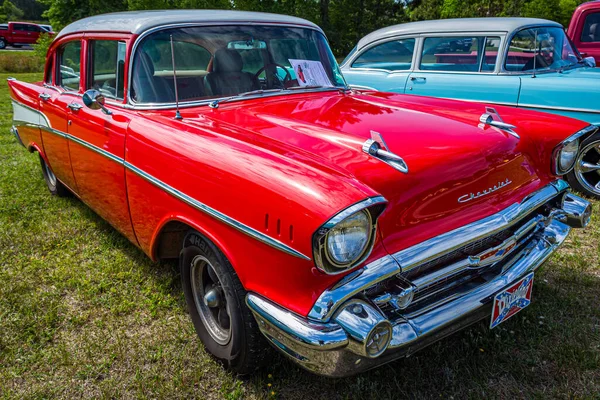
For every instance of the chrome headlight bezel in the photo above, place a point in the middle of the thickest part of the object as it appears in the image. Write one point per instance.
(372, 207)
(575, 139)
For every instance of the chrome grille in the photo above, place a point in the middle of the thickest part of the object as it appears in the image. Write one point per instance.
(458, 271)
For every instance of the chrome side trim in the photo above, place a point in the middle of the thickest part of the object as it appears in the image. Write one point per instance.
(543, 107)
(216, 214)
(172, 191)
(450, 241)
(388, 266)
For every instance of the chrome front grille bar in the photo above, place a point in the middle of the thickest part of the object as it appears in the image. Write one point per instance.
(475, 262)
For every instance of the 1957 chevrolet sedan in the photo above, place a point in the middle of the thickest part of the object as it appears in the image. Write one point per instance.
(349, 228)
(523, 62)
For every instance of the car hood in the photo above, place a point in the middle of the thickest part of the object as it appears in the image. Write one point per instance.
(459, 171)
(574, 90)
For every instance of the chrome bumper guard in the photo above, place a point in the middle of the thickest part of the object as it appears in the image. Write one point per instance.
(354, 335)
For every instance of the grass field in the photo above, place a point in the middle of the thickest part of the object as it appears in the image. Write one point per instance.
(84, 314)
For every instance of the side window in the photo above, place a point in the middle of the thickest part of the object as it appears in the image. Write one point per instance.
(107, 67)
(591, 28)
(452, 53)
(70, 65)
(491, 50)
(19, 27)
(395, 55)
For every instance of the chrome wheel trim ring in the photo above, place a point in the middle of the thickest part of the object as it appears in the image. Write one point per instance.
(50, 175)
(200, 280)
(583, 177)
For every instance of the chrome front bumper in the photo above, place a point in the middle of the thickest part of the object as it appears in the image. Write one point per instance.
(341, 342)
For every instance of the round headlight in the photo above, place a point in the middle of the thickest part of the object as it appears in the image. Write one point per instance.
(567, 155)
(346, 242)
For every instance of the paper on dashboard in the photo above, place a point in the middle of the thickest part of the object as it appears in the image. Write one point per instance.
(310, 73)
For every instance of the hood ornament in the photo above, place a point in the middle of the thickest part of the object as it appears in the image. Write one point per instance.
(472, 196)
(377, 148)
(492, 118)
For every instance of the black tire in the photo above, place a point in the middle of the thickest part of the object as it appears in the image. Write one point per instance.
(54, 185)
(245, 349)
(587, 183)
(3, 44)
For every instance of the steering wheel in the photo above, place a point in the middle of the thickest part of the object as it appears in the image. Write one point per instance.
(286, 78)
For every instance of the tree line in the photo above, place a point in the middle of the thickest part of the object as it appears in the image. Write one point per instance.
(344, 21)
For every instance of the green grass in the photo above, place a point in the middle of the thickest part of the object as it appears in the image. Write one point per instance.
(84, 314)
(20, 61)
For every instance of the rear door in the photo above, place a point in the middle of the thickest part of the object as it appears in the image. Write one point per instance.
(55, 98)
(384, 66)
(463, 67)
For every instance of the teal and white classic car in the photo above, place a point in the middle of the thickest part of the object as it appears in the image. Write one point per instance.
(521, 62)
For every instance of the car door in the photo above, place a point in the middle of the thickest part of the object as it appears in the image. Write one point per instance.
(97, 138)
(589, 41)
(54, 100)
(463, 67)
(19, 33)
(384, 66)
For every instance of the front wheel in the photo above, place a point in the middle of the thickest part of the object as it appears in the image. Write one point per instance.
(216, 303)
(585, 176)
(2, 44)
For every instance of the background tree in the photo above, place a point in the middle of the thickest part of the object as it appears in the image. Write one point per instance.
(11, 12)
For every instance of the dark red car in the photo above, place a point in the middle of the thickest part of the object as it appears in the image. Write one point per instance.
(17, 34)
(584, 29)
(345, 228)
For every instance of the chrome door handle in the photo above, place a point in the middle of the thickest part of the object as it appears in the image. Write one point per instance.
(418, 78)
(45, 96)
(75, 106)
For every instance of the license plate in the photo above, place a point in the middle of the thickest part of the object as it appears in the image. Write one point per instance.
(512, 300)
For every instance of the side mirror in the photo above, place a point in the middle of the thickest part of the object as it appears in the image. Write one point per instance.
(590, 61)
(94, 100)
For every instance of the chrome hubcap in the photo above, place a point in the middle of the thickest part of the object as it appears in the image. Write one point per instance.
(587, 167)
(210, 300)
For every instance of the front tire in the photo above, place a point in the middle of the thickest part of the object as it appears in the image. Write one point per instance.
(216, 304)
(3, 44)
(55, 187)
(585, 176)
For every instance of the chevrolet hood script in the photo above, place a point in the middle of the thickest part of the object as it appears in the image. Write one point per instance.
(472, 196)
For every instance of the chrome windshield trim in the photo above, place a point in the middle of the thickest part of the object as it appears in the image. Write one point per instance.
(253, 233)
(388, 266)
(131, 103)
(452, 240)
(160, 106)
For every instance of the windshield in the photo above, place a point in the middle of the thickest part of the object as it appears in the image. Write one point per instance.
(541, 49)
(216, 61)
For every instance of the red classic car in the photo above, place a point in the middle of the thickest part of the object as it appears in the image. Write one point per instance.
(350, 228)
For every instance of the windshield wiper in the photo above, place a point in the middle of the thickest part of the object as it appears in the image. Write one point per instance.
(215, 103)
